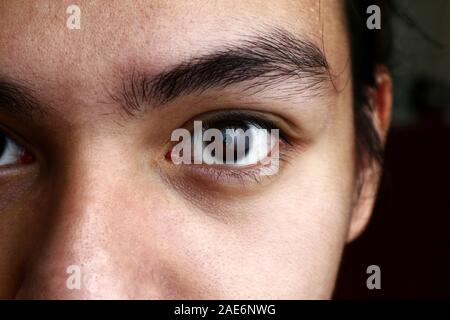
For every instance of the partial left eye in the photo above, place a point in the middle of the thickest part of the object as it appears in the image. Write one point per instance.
(11, 153)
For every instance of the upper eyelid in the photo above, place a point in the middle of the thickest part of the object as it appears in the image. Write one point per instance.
(256, 121)
(286, 127)
(227, 113)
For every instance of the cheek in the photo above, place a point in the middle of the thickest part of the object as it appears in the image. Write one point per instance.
(289, 248)
(18, 224)
(285, 242)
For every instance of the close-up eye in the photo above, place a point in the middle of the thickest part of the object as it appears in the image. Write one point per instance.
(232, 143)
(11, 153)
(237, 141)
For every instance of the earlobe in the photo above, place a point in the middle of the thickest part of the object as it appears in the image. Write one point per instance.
(380, 99)
(364, 201)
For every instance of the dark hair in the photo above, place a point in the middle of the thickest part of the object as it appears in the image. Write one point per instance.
(368, 48)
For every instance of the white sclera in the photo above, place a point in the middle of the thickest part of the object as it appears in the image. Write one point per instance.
(11, 152)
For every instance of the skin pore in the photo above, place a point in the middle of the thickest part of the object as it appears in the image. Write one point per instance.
(93, 110)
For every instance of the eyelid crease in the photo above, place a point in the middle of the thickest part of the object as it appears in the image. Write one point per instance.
(287, 129)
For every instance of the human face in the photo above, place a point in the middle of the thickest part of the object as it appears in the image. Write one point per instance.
(87, 116)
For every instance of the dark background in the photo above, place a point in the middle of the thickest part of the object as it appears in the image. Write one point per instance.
(409, 234)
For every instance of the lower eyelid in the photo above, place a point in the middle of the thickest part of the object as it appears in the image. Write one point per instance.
(227, 176)
(234, 175)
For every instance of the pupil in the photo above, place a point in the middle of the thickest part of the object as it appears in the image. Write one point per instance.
(231, 143)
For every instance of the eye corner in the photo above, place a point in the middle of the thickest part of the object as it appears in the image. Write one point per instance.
(13, 153)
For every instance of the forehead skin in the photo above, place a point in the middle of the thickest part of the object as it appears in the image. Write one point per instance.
(131, 236)
(156, 34)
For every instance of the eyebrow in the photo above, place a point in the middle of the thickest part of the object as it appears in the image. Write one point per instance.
(262, 61)
(18, 99)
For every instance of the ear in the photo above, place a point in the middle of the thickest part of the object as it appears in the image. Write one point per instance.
(380, 99)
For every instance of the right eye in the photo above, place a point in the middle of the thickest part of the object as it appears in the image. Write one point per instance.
(11, 153)
(255, 144)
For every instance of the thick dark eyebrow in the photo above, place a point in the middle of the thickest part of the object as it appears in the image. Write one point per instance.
(261, 61)
(18, 99)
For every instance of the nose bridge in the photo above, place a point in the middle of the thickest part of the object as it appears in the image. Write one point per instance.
(78, 255)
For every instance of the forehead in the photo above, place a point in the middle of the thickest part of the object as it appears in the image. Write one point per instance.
(36, 45)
